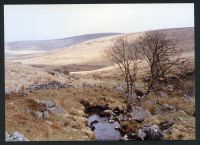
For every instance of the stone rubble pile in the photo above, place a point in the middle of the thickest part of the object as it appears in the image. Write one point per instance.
(45, 86)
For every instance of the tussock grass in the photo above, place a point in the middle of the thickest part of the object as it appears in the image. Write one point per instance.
(72, 125)
(19, 76)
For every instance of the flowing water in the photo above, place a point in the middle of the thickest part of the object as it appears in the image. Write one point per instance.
(105, 130)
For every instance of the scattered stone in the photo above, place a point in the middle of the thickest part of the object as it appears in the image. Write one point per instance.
(42, 114)
(111, 121)
(16, 136)
(140, 114)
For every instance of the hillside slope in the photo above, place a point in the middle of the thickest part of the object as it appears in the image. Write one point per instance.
(41, 46)
(90, 52)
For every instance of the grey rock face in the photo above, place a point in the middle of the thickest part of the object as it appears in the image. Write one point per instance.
(140, 114)
(151, 132)
(16, 136)
(49, 103)
(57, 110)
(165, 108)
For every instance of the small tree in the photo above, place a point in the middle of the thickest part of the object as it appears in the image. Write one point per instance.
(161, 54)
(124, 54)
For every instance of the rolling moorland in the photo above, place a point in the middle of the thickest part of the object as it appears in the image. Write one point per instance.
(61, 90)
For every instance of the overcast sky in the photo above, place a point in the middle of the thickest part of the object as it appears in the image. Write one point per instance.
(43, 22)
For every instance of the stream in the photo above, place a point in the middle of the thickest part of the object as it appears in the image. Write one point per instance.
(103, 129)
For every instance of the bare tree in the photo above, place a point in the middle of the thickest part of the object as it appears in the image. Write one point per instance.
(161, 54)
(124, 54)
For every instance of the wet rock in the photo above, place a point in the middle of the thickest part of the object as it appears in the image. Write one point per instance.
(131, 136)
(111, 121)
(140, 114)
(109, 112)
(16, 136)
(117, 127)
(93, 122)
(92, 128)
(151, 132)
(102, 114)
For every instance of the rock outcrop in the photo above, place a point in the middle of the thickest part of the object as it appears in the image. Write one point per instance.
(139, 114)
(150, 132)
(15, 136)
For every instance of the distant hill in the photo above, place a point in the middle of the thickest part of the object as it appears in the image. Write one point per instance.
(89, 51)
(47, 45)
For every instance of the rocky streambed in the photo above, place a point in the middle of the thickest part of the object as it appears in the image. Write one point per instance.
(107, 123)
